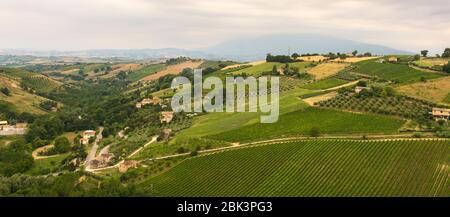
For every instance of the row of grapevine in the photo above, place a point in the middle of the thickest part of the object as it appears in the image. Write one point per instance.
(314, 168)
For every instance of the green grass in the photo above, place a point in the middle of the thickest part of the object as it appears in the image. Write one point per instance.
(301, 122)
(447, 99)
(47, 165)
(315, 168)
(325, 84)
(393, 72)
(148, 70)
(213, 123)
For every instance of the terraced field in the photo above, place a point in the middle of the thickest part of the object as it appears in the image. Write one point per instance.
(314, 168)
(393, 72)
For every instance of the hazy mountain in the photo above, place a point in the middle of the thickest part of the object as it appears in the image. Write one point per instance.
(258, 47)
(244, 49)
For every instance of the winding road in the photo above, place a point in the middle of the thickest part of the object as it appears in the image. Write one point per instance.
(93, 151)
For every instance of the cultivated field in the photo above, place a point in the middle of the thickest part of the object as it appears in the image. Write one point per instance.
(326, 69)
(244, 64)
(145, 71)
(353, 59)
(21, 100)
(318, 168)
(325, 84)
(393, 72)
(435, 90)
(318, 58)
(430, 62)
(173, 69)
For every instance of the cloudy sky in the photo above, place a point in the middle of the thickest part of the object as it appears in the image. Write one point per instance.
(87, 24)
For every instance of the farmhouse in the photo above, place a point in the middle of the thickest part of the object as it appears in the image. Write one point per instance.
(21, 125)
(86, 136)
(359, 89)
(146, 101)
(3, 124)
(392, 59)
(441, 114)
(125, 166)
(166, 116)
(103, 159)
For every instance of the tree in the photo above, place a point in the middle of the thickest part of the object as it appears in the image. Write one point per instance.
(295, 55)
(5, 91)
(314, 132)
(446, 67)
(416, 57)
(446, 53)
(361, 83)
(122, 75)
(367, 54)
(354, 53)
(275, 70)
(62, 145)
(424, 53)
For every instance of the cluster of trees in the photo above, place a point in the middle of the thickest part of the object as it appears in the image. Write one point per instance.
(446, 53)
(48, 105)
(5, 91)
(8, 112)
(15, 158)
(65, 185)
(446, 67)
(280, 58)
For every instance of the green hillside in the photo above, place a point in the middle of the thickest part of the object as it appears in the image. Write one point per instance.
(301, 122)
(393, 72)
(313, 168)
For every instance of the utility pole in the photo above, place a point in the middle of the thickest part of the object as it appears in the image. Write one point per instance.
(289, 51)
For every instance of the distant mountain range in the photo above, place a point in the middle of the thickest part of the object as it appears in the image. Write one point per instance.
(244, 49)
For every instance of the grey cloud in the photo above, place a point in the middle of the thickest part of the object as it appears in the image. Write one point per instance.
(83, 24)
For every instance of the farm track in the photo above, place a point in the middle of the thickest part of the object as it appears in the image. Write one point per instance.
(385, 138)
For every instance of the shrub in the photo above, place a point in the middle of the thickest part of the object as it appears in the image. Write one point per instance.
(314, 132)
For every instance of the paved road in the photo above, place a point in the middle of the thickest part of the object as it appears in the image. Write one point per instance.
(91, 155)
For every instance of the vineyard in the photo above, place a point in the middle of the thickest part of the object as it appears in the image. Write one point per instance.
(314, 168)
(40, 84)
(301, 122)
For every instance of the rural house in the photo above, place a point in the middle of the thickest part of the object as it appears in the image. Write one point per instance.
(86, 136)
(392, 59)
(441, 114)
(166, 117)
(3, 124)
(125, 166)
(359, 89)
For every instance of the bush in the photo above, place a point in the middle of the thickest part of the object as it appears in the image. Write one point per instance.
(314, 132)
(62, 145)
(5, 91)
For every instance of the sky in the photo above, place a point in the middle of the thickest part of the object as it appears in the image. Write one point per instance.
(411, 25)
